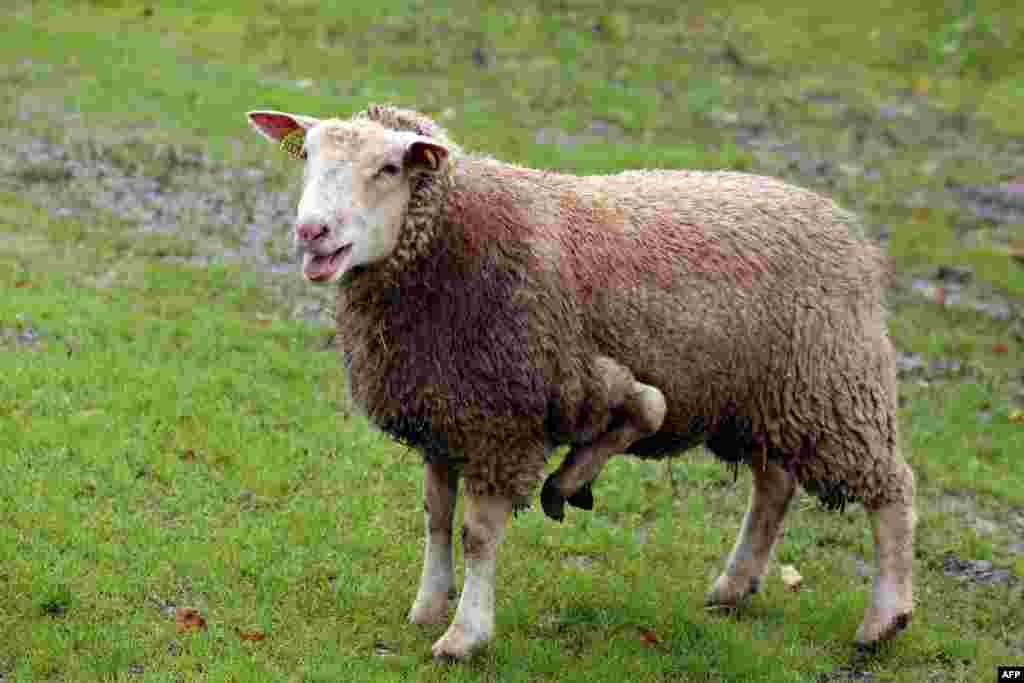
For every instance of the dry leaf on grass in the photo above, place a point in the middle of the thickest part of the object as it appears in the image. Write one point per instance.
(648, 637)
(1017, 416)
(252, 636)
(1016, 251)
(790, 577)
(188, 619)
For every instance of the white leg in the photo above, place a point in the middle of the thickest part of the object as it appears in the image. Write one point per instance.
(892, 600)
(482, 531)
(769, 499)
(440, 487)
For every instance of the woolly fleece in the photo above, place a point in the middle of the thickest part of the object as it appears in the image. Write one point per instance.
(754, 306)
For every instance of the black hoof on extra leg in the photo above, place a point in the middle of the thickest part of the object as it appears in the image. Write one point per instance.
(582, 499)
(552, 501)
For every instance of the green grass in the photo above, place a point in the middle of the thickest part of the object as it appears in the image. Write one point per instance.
(170, 437)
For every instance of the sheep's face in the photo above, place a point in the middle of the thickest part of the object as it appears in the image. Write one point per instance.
(356, 188)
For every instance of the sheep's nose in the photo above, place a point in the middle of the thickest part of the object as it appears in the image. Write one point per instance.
(307, 232)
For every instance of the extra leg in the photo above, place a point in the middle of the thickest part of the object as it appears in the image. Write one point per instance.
(640, 415)
(483, 528)
(892, 601)
(440, 487)
(769, 499)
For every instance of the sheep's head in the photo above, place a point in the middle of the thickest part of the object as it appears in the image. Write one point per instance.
(357, 184)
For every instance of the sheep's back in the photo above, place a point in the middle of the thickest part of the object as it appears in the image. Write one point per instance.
(749, 302)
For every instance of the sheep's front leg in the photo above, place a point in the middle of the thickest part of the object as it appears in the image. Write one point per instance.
(641, 414)
(440, 488)
(483, 528)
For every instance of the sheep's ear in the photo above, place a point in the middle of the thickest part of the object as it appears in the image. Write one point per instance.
(426, 155)
(277, 125)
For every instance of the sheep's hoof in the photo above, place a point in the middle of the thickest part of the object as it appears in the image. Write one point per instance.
(869, 636)
(552, 501)
(582, 499)
(729, 592)
(457, 643)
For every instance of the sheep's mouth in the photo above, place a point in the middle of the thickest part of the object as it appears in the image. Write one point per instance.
(323, 267)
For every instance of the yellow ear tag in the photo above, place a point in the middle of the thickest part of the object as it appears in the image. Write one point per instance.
(431, 158)
(292, 143)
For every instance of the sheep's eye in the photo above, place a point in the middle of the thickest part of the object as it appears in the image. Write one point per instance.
(389, 170)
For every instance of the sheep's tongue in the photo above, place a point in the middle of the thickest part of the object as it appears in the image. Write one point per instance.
(321, 267)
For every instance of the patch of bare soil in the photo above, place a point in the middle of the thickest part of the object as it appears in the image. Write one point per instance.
(955, 286)
(844, 674)
(870, 140)
(230, 213)
(975, 571)
(236, 213)
(21, 337)
(1002, 524)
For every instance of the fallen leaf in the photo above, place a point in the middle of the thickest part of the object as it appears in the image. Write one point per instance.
(22, 285)
(921, 85)
(71, 345)
(189, 455)
(253, 636)
(188, 619)
(648, 637)
(1016, 250)
(790, 577)
(921, 214)
(1000, 348)
(1017, 416)
(940, 296)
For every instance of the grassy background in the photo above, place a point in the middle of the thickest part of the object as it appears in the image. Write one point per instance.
(170, 434)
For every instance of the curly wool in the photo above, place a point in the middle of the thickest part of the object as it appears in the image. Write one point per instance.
(753, 305)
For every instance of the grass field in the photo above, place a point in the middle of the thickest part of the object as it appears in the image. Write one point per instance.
(173, 427)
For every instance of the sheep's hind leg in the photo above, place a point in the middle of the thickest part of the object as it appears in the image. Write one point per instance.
(640, 415)
(892, 601)
(772, 491)
(440, 488)
(483, 528)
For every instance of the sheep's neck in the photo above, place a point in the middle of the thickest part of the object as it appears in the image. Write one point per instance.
(420, 228)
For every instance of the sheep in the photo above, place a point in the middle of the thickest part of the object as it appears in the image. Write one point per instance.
(488, 313)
